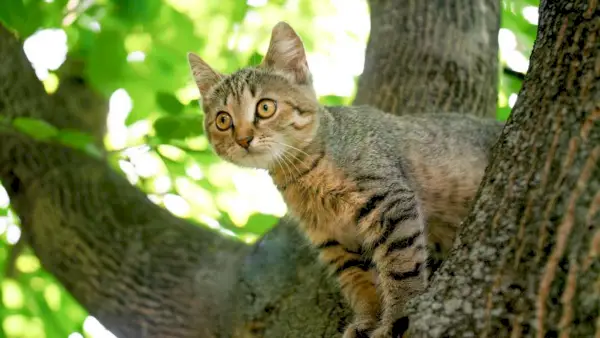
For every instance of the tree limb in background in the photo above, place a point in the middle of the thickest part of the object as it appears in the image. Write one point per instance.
(432, 56)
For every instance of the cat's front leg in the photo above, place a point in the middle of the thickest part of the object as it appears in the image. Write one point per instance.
(355, 276)
(397, 238)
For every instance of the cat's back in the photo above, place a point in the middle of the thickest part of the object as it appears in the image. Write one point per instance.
(364, 126)
(443, 155)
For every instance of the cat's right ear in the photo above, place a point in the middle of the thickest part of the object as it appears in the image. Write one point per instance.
(204, 76)
(286, 53)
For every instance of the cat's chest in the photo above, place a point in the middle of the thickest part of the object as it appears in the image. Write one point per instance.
(325, 202)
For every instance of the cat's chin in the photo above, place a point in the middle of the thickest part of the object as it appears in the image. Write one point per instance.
(256, 160)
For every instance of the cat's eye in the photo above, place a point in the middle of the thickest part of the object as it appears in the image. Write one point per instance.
(223, 121)
(266, 108)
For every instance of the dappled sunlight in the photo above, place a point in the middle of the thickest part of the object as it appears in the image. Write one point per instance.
(46, 50)
(120, 105)
(93, 327)
(4, 200)
(13, 233)
(512, 99)
(508, 48)
(531, 14)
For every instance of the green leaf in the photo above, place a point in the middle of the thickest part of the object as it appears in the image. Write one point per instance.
(137, 10)
(239, 11)
(169, 103)
(78, 140)
(168, 127)
(259, 223)
(254, 59)
(74, 138)
(181, 127)
(205, 184)
(93, 151)
(204, 157)
(333, 100)
(176, 169)
(38, 129)
(51, 324)
(503, 113)
(14, 14)
(107, 60)
(141, 105)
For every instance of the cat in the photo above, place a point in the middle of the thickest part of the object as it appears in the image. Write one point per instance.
(373, 192)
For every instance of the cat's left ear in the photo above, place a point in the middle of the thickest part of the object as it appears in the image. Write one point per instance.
(204, 75)
(286, 53)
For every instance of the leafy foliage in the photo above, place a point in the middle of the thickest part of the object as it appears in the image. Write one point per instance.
(139, 48)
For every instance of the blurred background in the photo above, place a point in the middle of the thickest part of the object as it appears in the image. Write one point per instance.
(135, 55)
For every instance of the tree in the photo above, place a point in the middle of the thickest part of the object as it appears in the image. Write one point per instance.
(538, 203)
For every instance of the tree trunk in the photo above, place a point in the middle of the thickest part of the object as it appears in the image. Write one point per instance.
(431, 57)
(526, 263)
(145, 273)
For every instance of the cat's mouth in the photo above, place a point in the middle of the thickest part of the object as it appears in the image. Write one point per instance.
(253, 157)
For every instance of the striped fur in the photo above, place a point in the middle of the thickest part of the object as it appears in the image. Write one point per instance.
(374, 193)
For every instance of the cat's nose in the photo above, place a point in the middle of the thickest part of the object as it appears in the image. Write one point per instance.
(244, 141)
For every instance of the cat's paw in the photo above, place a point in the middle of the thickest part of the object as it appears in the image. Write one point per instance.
(392, 330)
(359, 329)
(383, 331)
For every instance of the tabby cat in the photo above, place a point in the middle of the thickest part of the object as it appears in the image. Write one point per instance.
(362, 183)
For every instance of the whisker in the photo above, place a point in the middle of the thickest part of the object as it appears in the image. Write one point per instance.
(280, 164)
(286, 145)
(275, 157)
(293, 156)
(303, 163)
(282, 160)
(285, 156)
(289, 146)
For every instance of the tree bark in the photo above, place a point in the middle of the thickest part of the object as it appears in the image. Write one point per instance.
(526, 263)
(144, 273)
(432, 56)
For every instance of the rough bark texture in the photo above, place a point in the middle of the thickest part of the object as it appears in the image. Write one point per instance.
(527, 260)
(145, 273)
(432, 56)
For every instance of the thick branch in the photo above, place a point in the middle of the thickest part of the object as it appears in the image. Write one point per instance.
(526, 263)
(107, 243)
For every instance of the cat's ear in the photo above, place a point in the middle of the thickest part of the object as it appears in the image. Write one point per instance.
(204, 76)
(286, 53)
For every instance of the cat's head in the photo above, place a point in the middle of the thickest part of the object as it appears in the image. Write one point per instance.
(258, 115)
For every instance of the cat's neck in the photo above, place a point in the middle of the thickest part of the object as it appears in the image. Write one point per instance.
(300, 162)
